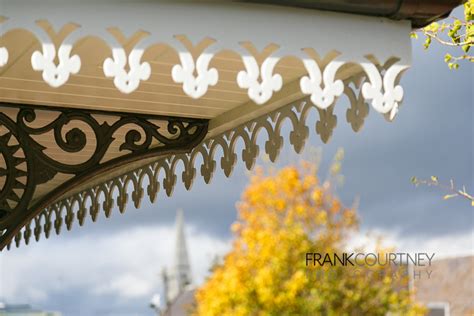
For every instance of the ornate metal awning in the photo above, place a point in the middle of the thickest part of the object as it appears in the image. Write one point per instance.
(97, 95)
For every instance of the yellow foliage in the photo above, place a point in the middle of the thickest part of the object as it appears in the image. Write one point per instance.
(281, 217)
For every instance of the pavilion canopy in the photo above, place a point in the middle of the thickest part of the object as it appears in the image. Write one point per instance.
(99, 95)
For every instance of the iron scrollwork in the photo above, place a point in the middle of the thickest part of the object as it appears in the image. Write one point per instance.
(24, 164)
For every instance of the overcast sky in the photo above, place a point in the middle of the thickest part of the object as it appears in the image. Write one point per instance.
(112, 267)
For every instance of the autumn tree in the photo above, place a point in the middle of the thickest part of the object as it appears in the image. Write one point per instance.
(281, 217)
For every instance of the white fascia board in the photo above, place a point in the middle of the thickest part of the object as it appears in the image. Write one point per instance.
(292, 32)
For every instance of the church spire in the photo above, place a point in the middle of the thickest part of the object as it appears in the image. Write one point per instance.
(181, 272)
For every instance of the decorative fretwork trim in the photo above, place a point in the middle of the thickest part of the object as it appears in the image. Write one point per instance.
(377, 52)
(196, 45)
(162, 173)
(102, 145)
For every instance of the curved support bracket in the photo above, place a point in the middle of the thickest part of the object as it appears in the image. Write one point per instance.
(95, 143)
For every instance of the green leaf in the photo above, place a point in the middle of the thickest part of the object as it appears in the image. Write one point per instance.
(433, 27)
(427, 42)
(470, 30)
(448, 196)
(447, 58)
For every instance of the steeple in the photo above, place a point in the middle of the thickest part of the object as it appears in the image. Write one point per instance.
(164, 277)
(181, 271)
